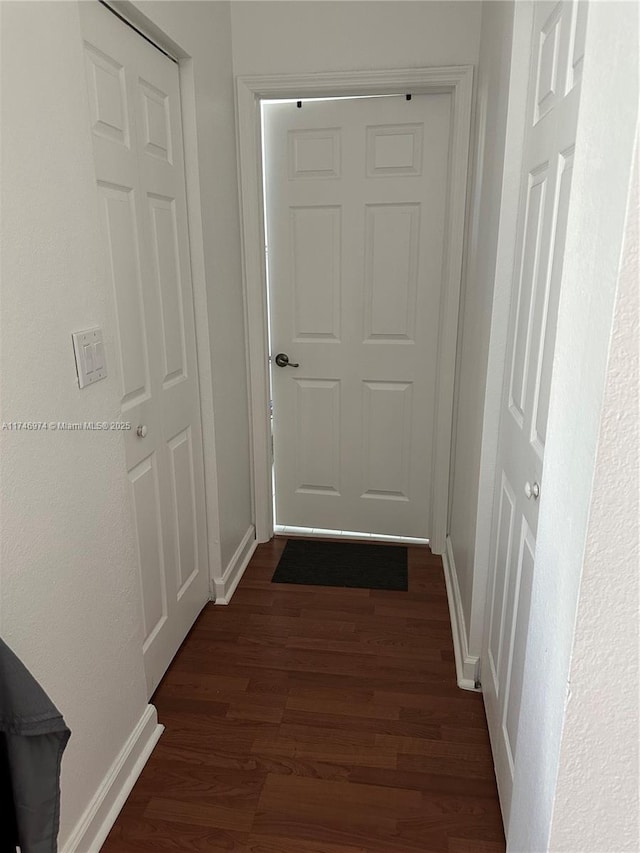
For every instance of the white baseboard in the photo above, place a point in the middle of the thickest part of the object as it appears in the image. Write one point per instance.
(93, 827)
(466, 664)
(225, 586)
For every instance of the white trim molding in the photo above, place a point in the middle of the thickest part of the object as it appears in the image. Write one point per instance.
(225, 586)
(457, 80)
(466, 665)
(95, 824)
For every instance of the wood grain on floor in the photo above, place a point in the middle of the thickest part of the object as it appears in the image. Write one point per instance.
(305, 719)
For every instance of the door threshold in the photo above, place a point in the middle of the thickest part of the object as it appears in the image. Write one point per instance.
(320, 533)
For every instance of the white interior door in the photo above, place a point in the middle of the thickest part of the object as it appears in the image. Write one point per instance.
(557, 49)
(134, 98)
(356, 194)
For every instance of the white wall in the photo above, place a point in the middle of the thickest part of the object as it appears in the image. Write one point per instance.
(476, 311)
(596, 805)
(281, 37)
(551, 797)
(70, 602)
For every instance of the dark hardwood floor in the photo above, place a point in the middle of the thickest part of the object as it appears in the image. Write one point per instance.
(306, 719)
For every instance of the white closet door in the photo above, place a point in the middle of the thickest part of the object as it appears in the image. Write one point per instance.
(557, 49)
(135, 115)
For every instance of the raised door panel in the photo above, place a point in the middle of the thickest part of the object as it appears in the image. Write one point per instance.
(500, 581)
(316, 234)
(156, 123)
(394, 149)
(546, 340)
(387, 418)
(549, 64)
(532, 261)
(578, 34)
(317, 463)
(392, 242)
(120, 229)
(184, 509)
(314, 153)
(515, 652)
(107, 96)
(166, 265)
(146, 502)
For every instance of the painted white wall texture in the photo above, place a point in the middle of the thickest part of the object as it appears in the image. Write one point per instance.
(70, 603)
(596, 805)
(492, 97)
(280, 37)
(571, 481)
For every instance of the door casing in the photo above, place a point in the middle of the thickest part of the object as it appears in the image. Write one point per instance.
(250, 90)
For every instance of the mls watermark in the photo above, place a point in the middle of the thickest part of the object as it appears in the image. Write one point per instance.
(65, 426)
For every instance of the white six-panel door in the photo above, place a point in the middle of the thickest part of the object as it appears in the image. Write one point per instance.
(356, 194)
(557, 49)
(135, 116)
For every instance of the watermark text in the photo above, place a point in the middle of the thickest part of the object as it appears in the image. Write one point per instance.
(65, 426)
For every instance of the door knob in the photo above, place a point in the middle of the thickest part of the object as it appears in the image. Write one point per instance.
(282, 360)
(141, 431)
(532, 491)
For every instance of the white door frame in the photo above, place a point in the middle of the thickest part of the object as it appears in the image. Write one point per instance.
(145, 25)
(458, 80)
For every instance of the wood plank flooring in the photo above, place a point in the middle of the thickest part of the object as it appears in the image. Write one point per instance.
(306, 719)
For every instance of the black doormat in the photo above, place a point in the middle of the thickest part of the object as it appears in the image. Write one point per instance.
(343, 564)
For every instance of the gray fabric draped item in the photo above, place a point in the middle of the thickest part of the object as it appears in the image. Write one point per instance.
(33, 736)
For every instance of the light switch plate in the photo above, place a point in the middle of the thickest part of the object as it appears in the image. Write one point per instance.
(90, 360)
